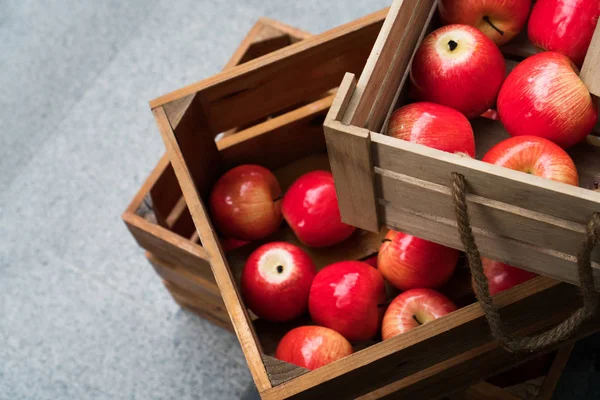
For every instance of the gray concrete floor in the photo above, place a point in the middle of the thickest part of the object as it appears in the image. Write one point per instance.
(82, 315)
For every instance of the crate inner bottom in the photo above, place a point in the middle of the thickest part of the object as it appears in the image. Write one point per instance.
(360, 246)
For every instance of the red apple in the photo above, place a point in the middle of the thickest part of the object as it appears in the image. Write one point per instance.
(413, 308)
(276, 281)
(435, 126)
(408, 262)
(501, 21)
(459, 67)
(311, 209)
(543, 96)
(244, 203)
(346, 297)
(502, 276)
(230, 244)
(536, 156)
(311, 347)
(372, 261)
(566, 26)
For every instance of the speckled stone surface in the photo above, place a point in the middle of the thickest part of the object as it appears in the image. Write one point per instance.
(82, 314)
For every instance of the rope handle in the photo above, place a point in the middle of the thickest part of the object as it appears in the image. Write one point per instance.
(591, 299)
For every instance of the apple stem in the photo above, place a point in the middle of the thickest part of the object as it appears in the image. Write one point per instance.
(415, 318)
(386, 240)
(279, 269)
(452, 45)
(278, 198)
(487, 19)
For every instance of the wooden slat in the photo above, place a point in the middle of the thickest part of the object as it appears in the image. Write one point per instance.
(350, 159)
(164, 190)
(558, 365)
(536, 304)
(378, 86)
(267, 45)
(250, 38)
(431, 227)
(294, 33)
(501, 219)
(486, 180)
(280, 140)
(264, 29)
(197, 305)
(590, 71)
(198, 148)
(168, 245)
(281, 371)
(487, 391)
(239, 316)
(259, 88)
(187, 279)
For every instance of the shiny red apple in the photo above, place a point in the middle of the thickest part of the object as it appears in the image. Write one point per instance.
(347, 297)
(311, 209)
(413, 308)
(543, 96)
(408, 262)
(312, 347)
(501, 21)
(536, 156)
(435, 126)
(245, 203)
(502, 276)
(565, 26)
(276, 281)
(459, 67)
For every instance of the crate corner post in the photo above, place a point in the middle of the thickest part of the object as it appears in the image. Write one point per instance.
(349, 152)
(590, 71)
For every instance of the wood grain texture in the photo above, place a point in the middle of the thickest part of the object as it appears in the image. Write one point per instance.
(280, 140)
(535, 305)
(248, 89)
(198, 306)
(558, 365)
(486, 391)
(169, 246)
(590, 71)
(501, 219)
(164, 190)
(487, 180)
(276, 34)
(522, 255)
(350, 159)
(281, 371)
(295, 34)
(378, 86)
(231, 298)
(186, 279)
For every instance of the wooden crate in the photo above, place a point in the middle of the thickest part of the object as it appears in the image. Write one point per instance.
(533, 380)
(192, 291)
(521, 219)
(158, 216)
(445, 355)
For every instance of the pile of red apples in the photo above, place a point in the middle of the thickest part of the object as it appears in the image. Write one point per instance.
(458, 73)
